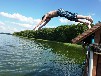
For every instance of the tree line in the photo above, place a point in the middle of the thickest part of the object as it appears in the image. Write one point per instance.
(63, 33)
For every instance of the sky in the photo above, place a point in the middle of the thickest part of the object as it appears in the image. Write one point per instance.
(19, 15)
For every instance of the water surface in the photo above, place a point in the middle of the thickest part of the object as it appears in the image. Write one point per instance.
(24, 57)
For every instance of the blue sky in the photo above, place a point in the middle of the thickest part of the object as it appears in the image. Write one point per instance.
(18, 15)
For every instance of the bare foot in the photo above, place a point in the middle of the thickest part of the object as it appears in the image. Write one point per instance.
(88, 24)
(34, 29)
(89, 19)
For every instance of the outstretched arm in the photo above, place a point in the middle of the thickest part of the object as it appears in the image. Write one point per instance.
(43, 24)
(40, 22)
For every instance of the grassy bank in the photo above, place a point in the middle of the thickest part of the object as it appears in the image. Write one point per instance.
(70, 51)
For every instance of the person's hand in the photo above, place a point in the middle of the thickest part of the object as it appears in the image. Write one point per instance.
(34, 28)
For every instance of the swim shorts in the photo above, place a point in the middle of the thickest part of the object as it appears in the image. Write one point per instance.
(70, 16)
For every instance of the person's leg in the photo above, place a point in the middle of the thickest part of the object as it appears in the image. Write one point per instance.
(85, 17)
(86, 23)
(44, 23)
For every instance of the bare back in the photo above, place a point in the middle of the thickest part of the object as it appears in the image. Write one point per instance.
(52, 14)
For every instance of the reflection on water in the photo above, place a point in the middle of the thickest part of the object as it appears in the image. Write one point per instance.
(23, 57)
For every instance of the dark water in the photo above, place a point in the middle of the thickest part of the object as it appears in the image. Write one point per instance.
(24, 57)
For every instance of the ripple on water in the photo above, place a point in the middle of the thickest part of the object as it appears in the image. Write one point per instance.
(23, 57)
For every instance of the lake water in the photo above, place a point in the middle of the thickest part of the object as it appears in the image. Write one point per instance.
(24, 57)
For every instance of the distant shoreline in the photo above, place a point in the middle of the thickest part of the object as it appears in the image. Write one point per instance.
(6, 33)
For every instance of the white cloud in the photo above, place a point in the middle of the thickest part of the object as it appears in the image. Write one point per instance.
(63, 20)
(12, 30)
(20, 17)
(1, 23)
(19, 20)
(5, 28)
(8, 29)
(2, 28)
(23, 25)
